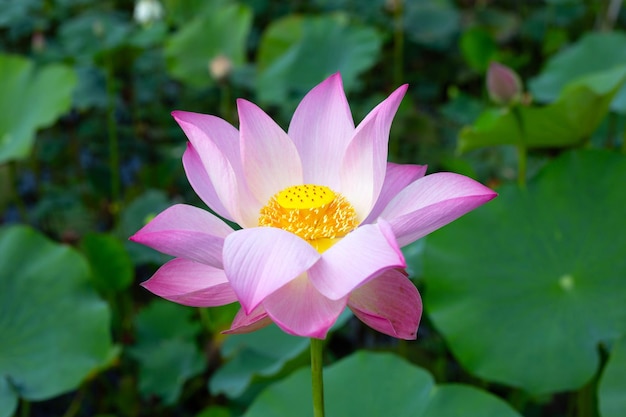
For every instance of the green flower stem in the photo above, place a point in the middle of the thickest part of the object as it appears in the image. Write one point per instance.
(114, 158)
(317, 348)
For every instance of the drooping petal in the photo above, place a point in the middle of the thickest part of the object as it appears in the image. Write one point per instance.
(361, 255)
(270, 159)
(390, 304)
(365, 161)
(397, 177)
(186, 232)
(432, 202)
(260, 260)
(299, 309)
(217, 145)
(321, 128)
(246, 323)
(191, 283)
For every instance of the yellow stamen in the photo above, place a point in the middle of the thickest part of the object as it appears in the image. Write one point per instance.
(314, 212)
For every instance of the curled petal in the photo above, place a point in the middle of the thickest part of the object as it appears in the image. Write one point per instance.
(271, 161)
(390, 304)
(358, 257)
(397, 177)
(299, 309)
(321, 128)
(191, 283)
(365, 161)
(258, 261)
(186, 232)
(246, 323)
(432, 202)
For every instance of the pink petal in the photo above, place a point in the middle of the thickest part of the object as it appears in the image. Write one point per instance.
(321, 128)
(390, 303)
(246, 323)
(365, 161)
(270, 158)
(191, 283)
(299, 309)
(201, 182)
(361, 255)
(186, 232)
(432, 202)
(260, 260)
(216, 144)
(396, 178)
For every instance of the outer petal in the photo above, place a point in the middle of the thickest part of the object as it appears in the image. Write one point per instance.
(270, 159)
(190, 283)
(365, 161)
(246, 323)
(201, 182)
(432, 202)
(358, 257)
(258, 261)
(397, 177)
(321, 128)
(299, 309)
(217, 145)
(390, 304)
(186, 232)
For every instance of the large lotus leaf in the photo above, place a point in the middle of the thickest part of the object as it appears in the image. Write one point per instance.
(91, 33)
(55, 329)
(568, 121)
(594, 52)
(612, 388)
(31, 99)
(431, 23)
(296, 52)
(261, 354)
(377, 384)
(221, 31)
(111, 266)
(525, 288)
(166, 350)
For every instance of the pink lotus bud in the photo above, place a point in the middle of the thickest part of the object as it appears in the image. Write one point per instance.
(503, 84)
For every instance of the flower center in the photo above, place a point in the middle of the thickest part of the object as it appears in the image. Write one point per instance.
(314, 212)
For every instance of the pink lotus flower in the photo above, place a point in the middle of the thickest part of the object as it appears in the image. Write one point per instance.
(322, 213)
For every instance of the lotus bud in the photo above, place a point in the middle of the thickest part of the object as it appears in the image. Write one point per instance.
(503, 84)
(220, 67)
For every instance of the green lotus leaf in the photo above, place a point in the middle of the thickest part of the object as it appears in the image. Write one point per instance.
(32, 98)
(111, 266)
(568, 121)
(525, 288)
(218, 32)
(432, 23)
(166, 350)
(55, 329)
(594, 52)
(262, 353)
(612, 387)
(296, 52)
(369, 384)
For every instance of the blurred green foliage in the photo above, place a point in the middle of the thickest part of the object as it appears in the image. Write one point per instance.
(524, 298)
